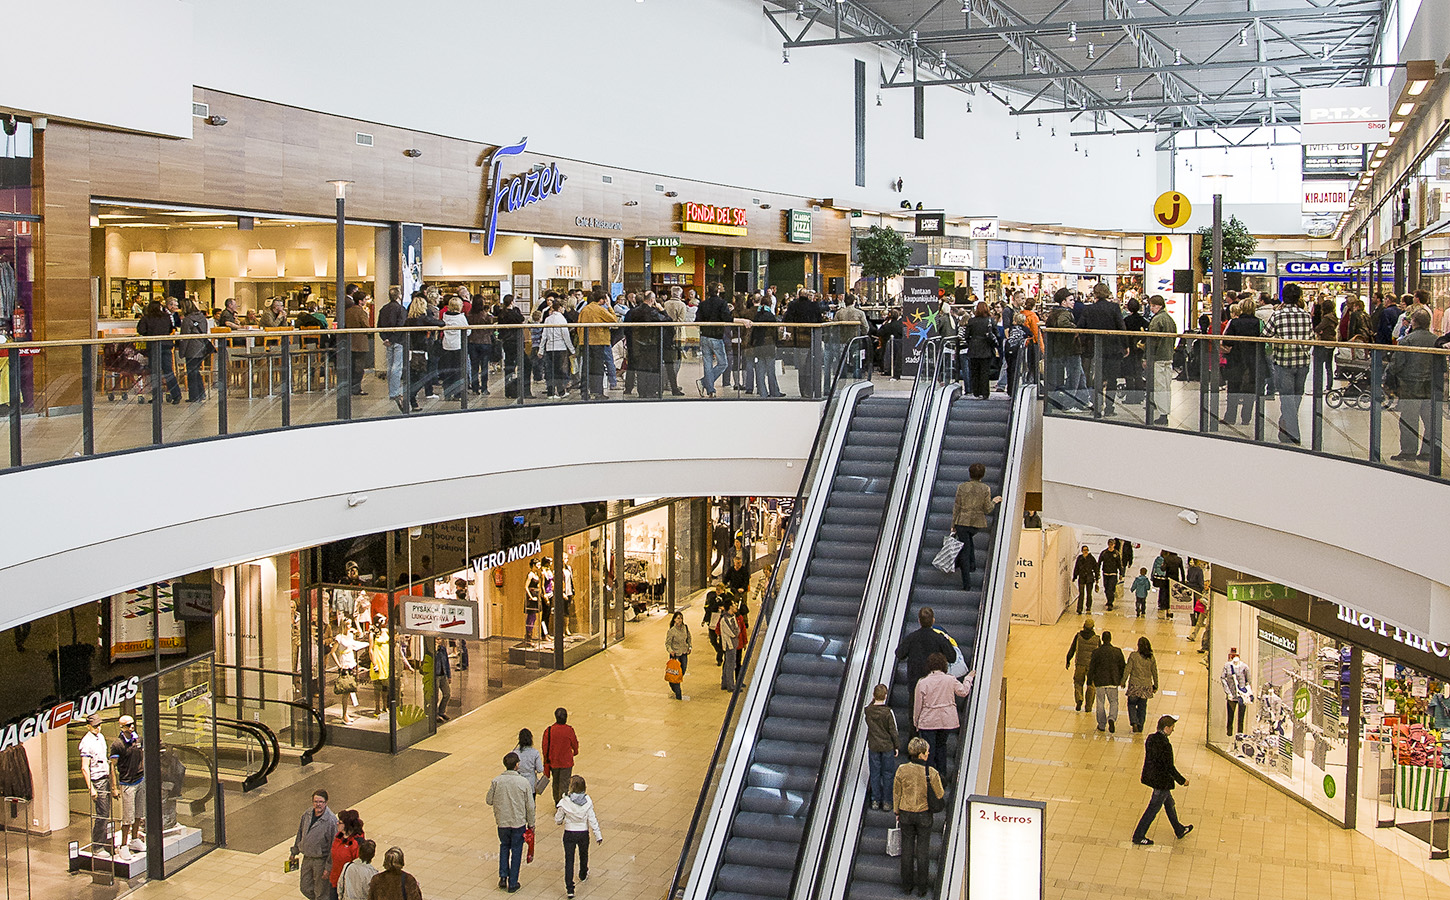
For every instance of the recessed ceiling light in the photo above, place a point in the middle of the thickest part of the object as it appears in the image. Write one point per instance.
(1405, 108)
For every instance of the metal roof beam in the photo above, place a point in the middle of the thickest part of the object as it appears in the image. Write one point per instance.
(1159, 103)
(1308, 65)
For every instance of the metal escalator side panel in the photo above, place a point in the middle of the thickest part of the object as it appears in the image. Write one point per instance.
(877, 603)
(984, 706)
(839, 852)
(732, 775)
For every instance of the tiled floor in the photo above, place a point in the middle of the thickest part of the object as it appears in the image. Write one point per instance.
(642, 752)
(1249, 841)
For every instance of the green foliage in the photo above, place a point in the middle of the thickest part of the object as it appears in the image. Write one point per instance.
(1238, 244)
(882, 253)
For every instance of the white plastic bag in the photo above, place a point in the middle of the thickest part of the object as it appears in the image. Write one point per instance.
(946, 558)
(893, 842)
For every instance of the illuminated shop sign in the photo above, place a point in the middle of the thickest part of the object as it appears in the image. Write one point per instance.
(1319, 267)
(707, 219)
(62, 714)
(1003, 256)
(1286, 639)
(798, 226)
(592, 222)
(512, 194)
(500, 557)
(1437, 266)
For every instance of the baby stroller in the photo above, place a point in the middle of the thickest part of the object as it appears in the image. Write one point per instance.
(123, 369)
(1351, 364)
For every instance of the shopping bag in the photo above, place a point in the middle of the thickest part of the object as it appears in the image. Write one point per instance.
(893, 842)
(946, 558)
(674, 672)
(529, 843)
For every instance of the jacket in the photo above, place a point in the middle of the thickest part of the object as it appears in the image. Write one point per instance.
(1160, 349)
(560, 745)
(1104, 315)
(556, 335)
(195, 323)
(1085, 568)
(1241, 354)
(972, 505)
(314, 838)
(398, 885)
(577, 815)
(1142, 674)
(677, 640)
(729, 631)
(1060, 345)
(1142, 586)
(976, 334)
(645, 344)
(355, 317)
(881, 734)
(512, 798)
(1159, 772)
(598, 314)
(802, 310)
(1084, 643)
(1109, 565)
(1106, 667)
(715, 309)
(935, 706)
(453, 338)
(761, 335)
(392, 315)
(1416, 371)
(918, 647)
(852, 314)
(908, 789)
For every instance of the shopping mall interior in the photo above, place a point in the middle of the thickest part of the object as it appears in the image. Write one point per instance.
(757, 447)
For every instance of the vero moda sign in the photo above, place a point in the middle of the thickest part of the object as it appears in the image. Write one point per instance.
(1346, 115)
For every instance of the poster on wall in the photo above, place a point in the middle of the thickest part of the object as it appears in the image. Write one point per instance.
(918, 317)
(131, 618)
(1162, 253)
(410, 243)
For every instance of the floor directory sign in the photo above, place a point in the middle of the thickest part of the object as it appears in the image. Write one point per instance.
(1005, 848)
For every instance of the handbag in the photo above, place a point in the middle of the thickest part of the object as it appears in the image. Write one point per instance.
(934, 804)
(541, 785)
(893, 842)
(418, 362)
(346, 683)
(946, 558)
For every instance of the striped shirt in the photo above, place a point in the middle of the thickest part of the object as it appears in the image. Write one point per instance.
(1291, 323)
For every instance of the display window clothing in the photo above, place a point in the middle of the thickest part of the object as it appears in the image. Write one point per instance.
(15, 778)
(560, 744)
(344, 851)
(381, 651)
(345, 649)
(95, 758)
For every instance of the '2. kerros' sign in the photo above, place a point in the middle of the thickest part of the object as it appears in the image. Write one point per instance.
(511, 194)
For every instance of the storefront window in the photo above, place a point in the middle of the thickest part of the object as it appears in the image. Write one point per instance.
(187, 765)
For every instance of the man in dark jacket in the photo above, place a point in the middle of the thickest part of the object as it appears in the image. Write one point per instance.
(916, 648)
(1160, 774)
(807, 342)
(1084, 644)
(515, 347)
(1103, 315)
(645, 346)
(1172, 574)
(1085, 573)
(1416, 373)
(712, 339)
(392, 315)
(1063, 364)
(1110, 566)
(1105, 674)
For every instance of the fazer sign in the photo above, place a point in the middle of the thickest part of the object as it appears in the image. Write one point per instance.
(1352, 115)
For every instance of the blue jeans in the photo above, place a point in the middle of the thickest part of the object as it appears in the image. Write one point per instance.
(395, 369)
(883, 772)
(1161, 800)
(712, 355)
(936, 739)
(510, 854)
(762, 365)
(1289, 382)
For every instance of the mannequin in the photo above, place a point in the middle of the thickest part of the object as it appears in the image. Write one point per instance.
(546, 600)
(1440, 709)
(1236, 689)
(533, 599)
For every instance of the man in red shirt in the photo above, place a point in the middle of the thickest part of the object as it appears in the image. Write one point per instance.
(560, 747)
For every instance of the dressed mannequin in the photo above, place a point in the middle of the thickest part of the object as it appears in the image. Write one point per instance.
(571, 626)
(1440, 709)
(546, 602)
(533, 599)
(1236, 689)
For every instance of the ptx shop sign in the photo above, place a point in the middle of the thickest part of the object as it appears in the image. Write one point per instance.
(62, 714)
(514, 193)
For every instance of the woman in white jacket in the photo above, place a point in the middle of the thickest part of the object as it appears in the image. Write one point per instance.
(558, 349)
(576, 813)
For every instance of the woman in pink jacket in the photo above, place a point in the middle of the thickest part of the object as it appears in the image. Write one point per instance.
(934, 712)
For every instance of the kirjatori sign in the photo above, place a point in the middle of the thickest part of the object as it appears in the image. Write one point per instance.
(1326, 196)
(1344, 115)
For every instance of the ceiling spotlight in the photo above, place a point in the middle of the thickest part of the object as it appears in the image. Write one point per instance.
(785, 56)
(1074, 146)
(412, 153)
(1244, 37)
(966, 6)
(1091, 54)
(1019, 135)
(800, 12)
(919, 205)
(1178, 57)
(215, 119)
(1257, 91)
(1072, 32)
(1324, 51)
(1039, 121)
(913, 37)
(1037, 62)
(969, 106)
(1054, 132)
(1130, 95)
(942, 59)
(1118, 83)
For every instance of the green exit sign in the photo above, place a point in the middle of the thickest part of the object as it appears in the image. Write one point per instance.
(856, 213)
(1252, 591)
(798, 226)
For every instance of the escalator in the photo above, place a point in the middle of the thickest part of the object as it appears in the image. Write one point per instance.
(753, 842)
(975, 431)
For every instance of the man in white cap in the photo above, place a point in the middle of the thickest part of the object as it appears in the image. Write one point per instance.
(96, 763)
(128, 770)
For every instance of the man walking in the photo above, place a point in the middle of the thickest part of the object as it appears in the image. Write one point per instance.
(1104, 315)
(512, 799)
(1085, 573)
(1110, 565)
(1160, 358)
(1291, 361)
(1106, 670)
(1083, 645)
(1416, 373)
(314, 843)
(1160, 774)
(730, 646)
(393, 315)
(715, 309)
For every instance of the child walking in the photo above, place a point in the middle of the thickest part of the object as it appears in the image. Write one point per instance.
(576, 813)
(1141, 588)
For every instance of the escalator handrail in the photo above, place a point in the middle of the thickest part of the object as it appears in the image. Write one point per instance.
(268, 742)
(991, 638)
(830, 412)
(837, 861)
(312, 713)
(822, 809)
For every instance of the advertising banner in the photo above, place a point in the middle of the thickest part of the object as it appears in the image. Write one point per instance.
(1333, 160)
(1162, 253)
(1322, 196)
(410, 242)
(918, 317)
(1005, 848)
(1342, 115)
(1090, 260)
(132, 636)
